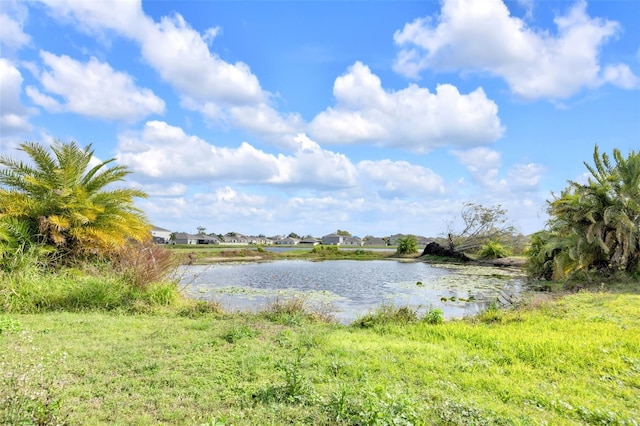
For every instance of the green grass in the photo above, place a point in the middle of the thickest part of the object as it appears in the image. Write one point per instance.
(35, 291)
(203, 254)
(575, 360)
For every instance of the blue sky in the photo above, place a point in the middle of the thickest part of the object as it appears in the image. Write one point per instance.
(301, 116)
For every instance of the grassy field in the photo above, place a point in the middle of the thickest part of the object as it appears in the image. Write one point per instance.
(571, 360)
(204, 254)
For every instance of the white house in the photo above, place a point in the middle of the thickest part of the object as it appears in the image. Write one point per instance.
(160, 235)
(184, 238)
(236, 239)
(288, 241)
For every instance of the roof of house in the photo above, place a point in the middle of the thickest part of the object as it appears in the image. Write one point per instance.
(310, 240)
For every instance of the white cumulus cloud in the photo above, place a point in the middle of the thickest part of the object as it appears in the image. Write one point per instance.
(182, 57)
(264, 120)
(482, 36)
(412, 118)
(14, 117)
(312, 165)
(483, 164)
(224, 92)
(398, 179)
(12, 35)
(179, 53)
(166, 152)
(525, 176)
(93, 89)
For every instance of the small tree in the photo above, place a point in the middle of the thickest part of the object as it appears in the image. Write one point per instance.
(493, 250)
(343, 233)
(480, 225)
(60, 203)
(407, 245)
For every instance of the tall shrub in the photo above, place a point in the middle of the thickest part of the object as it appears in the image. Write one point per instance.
(59, 201)
(593, 227)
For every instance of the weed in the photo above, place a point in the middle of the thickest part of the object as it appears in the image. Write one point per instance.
(144, 264)
(198, 308)
(602, 416)
(493, 313)
(27, 394)
(368, 407)
(74, 291)
(214, 422)
(294, 311)
(8, 325)
(297, 388)
(387, 314)
(489, 316)
(237, 333)
(456, 413)
(434, 316)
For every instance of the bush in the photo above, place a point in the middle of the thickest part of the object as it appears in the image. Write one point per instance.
(407, 245)
(325, 249)
(434, 316)
(493, 250)
(143, 264)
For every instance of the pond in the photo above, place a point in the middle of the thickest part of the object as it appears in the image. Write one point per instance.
(348, 289)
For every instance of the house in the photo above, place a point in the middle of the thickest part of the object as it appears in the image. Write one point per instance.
(260, 241)
(160, 235)
(184, 238)
(332, 240)
(288, 241)
(375, 241)
(309, 241)
(393, 240)
(236, 239)
(352, 241)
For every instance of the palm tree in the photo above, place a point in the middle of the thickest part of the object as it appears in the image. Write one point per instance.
(68, 206)
(597, 225)
(407, 245)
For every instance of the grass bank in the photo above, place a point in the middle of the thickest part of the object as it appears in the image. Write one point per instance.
(206, 254)
(572, 360)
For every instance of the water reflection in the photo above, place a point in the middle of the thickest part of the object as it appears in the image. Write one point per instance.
(349, 289)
